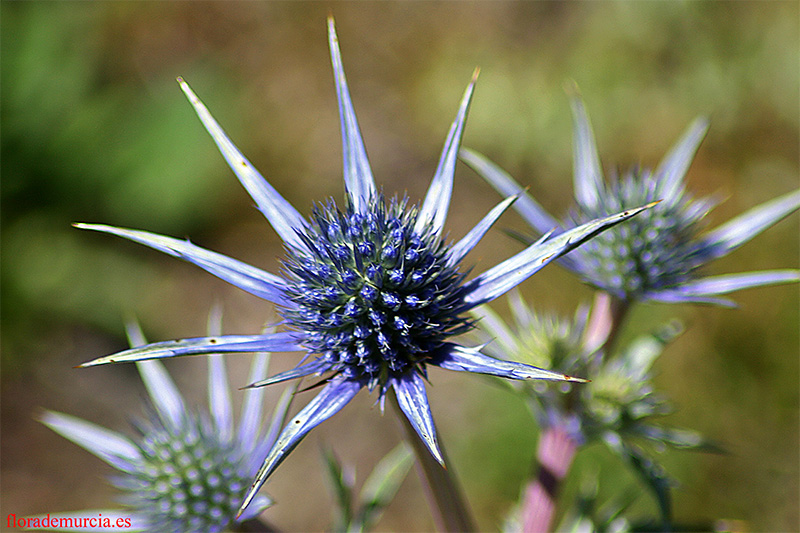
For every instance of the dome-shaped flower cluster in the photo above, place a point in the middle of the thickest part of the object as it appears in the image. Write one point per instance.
(373, 296)
(619, 404)
(187, 478)
(654, 251)
(661, 254)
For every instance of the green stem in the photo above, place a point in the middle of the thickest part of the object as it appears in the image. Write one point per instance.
(447, 504)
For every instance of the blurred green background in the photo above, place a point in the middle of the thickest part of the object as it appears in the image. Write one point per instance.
(94, 128)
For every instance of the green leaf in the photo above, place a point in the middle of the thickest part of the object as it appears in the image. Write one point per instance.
(675, 437)
(651, 472)
(342, 485)
(382, 485)
(644, 350)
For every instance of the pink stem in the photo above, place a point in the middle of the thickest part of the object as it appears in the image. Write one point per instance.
(557, 448)
(555, 453)
(605, 321)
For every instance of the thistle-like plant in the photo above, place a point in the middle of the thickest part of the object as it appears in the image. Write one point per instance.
(187, 470)
(661, 255)
(371, 291)
(619, 407)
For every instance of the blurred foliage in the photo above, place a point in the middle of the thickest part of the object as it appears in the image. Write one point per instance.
(357, 512)
(95, 129)
(84, 139)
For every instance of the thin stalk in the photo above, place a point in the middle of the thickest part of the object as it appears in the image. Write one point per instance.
(554, 454)
(447, 504)
(605, 322)
(557, 447)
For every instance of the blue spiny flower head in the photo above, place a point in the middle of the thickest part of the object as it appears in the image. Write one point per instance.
(659, 255)
(188, 470)
(651, 253)
(370, 291)
(189, 479)
(375, 297)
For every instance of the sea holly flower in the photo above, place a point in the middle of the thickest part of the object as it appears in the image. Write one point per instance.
(371, 290)
(620, 397)
(619, 407)
(660, 255)
(188, 470)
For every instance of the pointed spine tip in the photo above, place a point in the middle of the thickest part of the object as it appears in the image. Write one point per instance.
(475, 74)
(574, 379)
(632, 212)
(188, 92)
(437, 456)
(97, 362)
(185, 87)
(572, 89)
(332, 28)
(247, 499)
